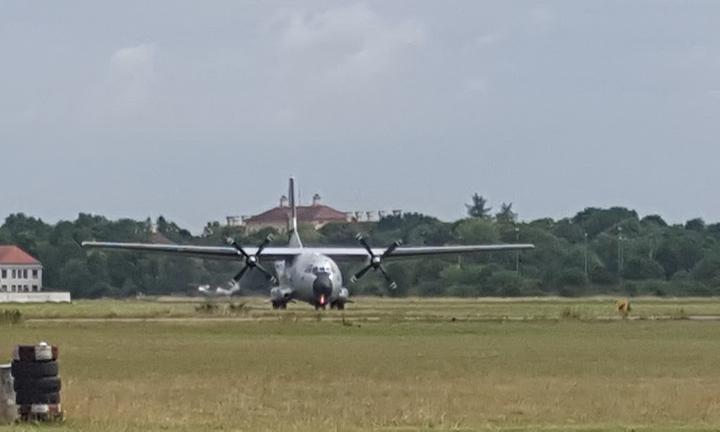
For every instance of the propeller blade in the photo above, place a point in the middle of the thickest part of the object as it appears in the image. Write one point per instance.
(391, 249)
(365, 245)
(239, 249)
(264, 244)
(240, 274)
(267, 274)
(376, 261)
(392, 283)
(361, 273)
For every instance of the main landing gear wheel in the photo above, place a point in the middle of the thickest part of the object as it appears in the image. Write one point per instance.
(279, 305)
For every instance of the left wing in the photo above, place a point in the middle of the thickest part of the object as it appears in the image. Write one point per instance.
(208, 252)
(282, 253)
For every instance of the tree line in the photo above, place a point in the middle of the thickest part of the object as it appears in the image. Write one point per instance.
(596, 251)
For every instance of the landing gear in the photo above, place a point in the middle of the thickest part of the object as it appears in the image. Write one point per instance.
(337, 305)
(321, 302)
(279, 305)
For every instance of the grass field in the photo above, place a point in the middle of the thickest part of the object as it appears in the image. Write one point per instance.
(389, 366)
(372, 308)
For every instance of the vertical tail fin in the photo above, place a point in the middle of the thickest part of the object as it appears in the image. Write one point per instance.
(293, 228)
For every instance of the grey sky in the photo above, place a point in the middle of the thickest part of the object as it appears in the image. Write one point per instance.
(197, 110)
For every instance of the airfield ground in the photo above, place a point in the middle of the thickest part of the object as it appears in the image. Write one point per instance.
(389, 365)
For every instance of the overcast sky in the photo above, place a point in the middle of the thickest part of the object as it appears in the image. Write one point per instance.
(198, 110)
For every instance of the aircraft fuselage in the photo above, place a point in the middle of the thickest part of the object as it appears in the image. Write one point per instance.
(312, 278)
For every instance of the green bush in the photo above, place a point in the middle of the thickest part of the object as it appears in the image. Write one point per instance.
(506, 283)
(10, 316)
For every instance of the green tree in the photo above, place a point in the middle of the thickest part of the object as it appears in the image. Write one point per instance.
(641, 268)
(506, 215)
(478, 208)
(595, 220)
(506, 283)
(696, 224)
(476, 231)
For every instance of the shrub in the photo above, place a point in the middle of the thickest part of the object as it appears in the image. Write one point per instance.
(11, 317)
(506, 283)
(602, 276)
(207, 308)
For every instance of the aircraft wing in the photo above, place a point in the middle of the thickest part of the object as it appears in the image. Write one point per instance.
(281, 253)
(417, 251)
(208, 252)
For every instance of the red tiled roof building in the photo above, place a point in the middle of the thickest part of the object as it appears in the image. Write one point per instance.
(19, 271)
(316, 214)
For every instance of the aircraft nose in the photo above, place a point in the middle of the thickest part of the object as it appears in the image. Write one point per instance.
(322, 287)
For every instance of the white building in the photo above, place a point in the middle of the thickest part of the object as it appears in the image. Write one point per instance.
(19, 271)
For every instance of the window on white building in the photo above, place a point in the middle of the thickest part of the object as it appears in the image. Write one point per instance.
(25, 273)
(35, 288)
(4, 287)
(35, 274)
(3, 274)
(14, 274)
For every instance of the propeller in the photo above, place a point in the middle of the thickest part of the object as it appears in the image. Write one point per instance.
(252, 261)
(376, 261)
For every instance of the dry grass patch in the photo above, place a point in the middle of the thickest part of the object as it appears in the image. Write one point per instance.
(409, 375)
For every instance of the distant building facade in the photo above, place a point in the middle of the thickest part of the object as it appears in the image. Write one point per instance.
(19, 271)
(317, 214)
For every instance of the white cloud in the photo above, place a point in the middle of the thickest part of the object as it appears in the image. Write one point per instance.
(130, 76)
(349, 42)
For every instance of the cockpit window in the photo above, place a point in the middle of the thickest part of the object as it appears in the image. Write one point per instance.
(321, 269)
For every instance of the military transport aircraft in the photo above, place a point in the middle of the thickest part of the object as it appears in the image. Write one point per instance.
(307, 274)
